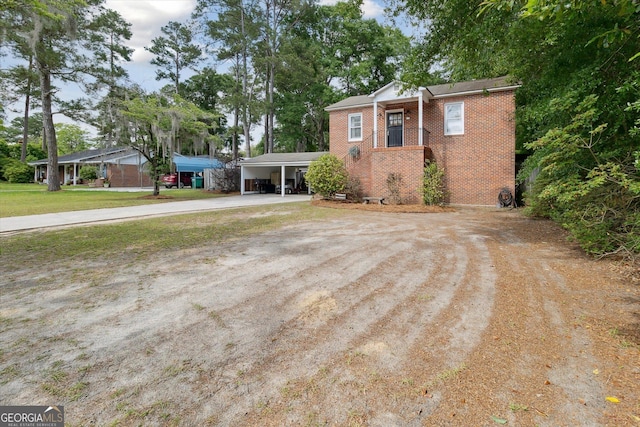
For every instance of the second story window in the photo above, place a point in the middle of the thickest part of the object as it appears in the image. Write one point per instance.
(355, 127)
(454, 118)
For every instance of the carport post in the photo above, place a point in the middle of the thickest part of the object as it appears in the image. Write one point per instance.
(242, 180)
(282, 180)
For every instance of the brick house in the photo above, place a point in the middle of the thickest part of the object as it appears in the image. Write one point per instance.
(122, 166)
(467, 128)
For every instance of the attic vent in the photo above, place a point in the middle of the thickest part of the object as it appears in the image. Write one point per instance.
(396, 87)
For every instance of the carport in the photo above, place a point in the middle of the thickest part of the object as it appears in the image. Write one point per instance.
(195, 164)
(276, 171)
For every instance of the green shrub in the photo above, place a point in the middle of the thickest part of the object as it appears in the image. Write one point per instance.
(327, 175)
(5, 151)
(17, 172)
(432, 184)
(88, 172)
(4, 162)
(592, 191)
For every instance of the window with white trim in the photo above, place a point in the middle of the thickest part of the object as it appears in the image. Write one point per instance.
(355, 127)
(454, 118)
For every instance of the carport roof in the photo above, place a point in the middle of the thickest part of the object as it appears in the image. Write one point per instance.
(287, 159)
(195, 164)
(95, 155)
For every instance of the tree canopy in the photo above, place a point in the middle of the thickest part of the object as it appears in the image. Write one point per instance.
(61, 40)
(154, 125)
(174, 52)
(577, 110)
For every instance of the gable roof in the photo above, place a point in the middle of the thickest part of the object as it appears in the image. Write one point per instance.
(472, 87)
(86, 156)
(351, 102)
(273, 159)
(433, 92)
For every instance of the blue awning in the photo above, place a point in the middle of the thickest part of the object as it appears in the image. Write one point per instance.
(195, 164)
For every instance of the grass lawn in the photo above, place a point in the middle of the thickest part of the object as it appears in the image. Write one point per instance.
(33, 199)
(143, 240)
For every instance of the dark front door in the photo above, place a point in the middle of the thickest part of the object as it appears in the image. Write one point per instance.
(394, 130)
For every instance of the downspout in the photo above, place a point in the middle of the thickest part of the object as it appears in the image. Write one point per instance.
(375, 124)
(420, 124)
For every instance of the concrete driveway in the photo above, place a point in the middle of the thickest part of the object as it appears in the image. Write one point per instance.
(29, 222)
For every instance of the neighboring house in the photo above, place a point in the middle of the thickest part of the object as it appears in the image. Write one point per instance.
(467, 128)
(122, 166)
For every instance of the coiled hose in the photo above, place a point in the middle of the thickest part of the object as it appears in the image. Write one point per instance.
(505, 198)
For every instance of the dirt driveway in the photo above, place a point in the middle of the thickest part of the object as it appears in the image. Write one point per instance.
(470, 318)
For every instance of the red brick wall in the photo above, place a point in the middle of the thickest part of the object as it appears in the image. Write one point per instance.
(127, 176)
(481, 162)
(408, 162)
(339, 130)
(477, 164)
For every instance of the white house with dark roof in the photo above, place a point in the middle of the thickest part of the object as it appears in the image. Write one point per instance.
(122, 166)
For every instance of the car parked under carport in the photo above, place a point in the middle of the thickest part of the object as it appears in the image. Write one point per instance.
(282, 173)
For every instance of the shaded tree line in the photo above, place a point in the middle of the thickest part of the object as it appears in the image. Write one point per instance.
(284, 61)
(578, 110)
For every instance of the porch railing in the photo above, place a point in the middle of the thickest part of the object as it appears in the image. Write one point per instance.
(407, 137)
(359, 150)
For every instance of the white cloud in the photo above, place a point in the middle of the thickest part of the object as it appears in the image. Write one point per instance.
(371, 9)
(147, 17)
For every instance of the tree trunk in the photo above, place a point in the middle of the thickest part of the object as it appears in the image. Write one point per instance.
(246, 119)
(153, 172)
(267, 131)
(320, 129)
(177, 62)
(234, 137)
(53, 178)
(267, 80)
(25, 122)
(267, 122)
(270, 108)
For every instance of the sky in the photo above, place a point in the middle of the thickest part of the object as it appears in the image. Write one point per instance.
(147, 17)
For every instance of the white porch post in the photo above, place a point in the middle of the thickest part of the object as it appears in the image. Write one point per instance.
(375, 124)
(420, 124)
(241, 180)
(282, 180)
(75, 174)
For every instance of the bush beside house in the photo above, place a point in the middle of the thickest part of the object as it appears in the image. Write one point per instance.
(327, 175)
(88, 173)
